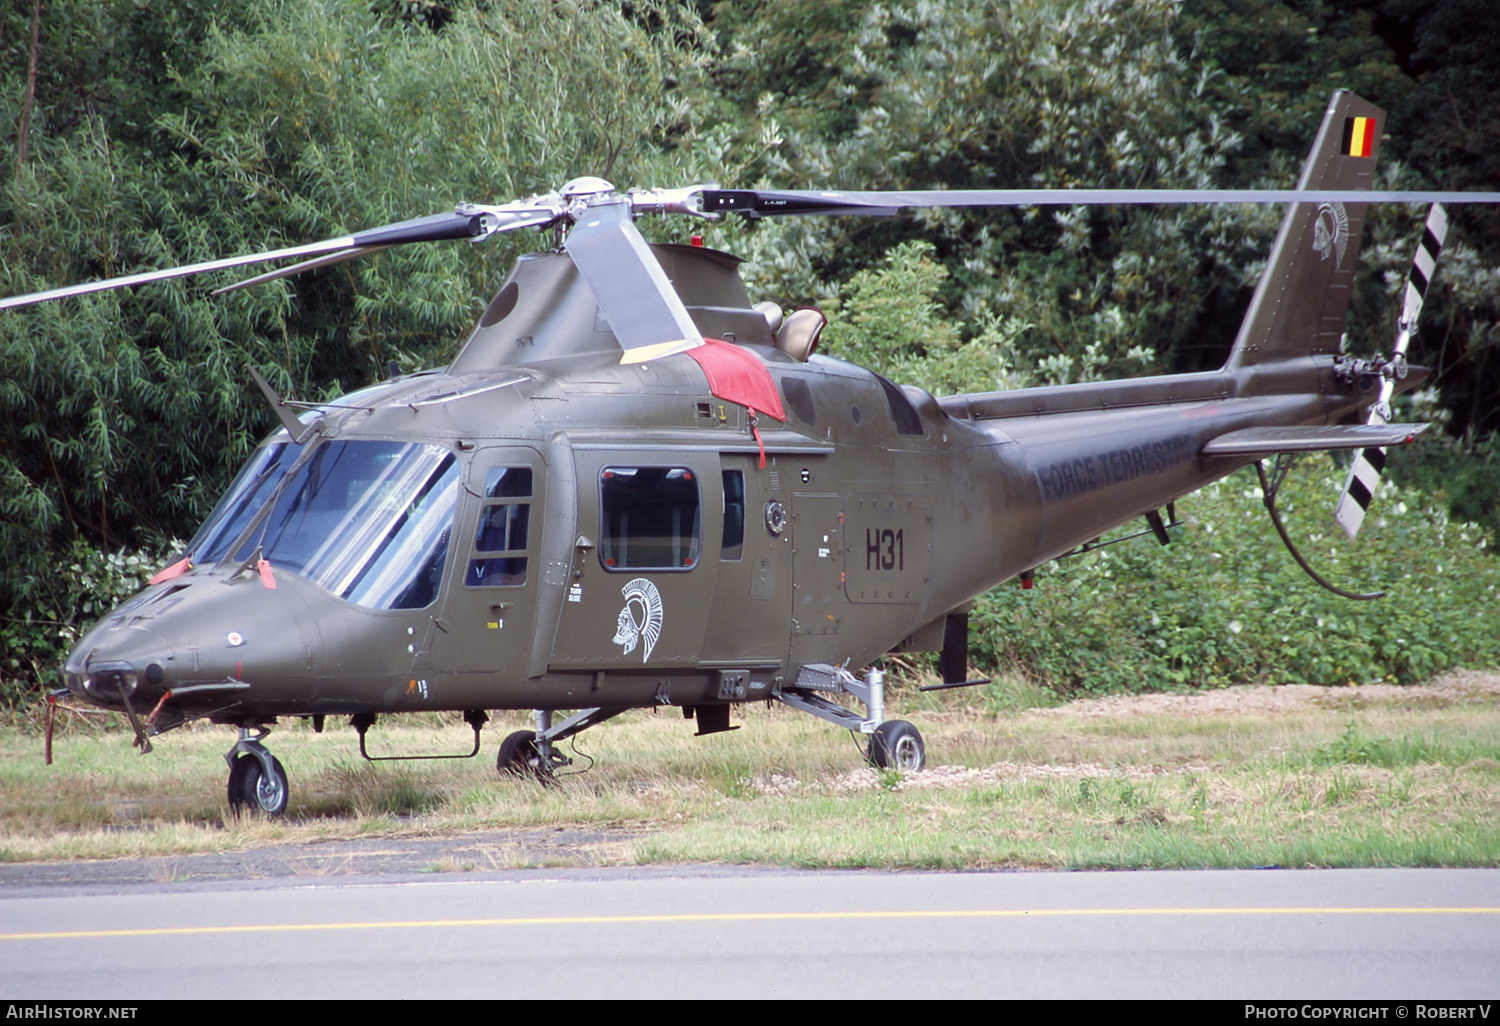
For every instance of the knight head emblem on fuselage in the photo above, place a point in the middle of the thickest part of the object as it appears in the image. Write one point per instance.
(641, 618)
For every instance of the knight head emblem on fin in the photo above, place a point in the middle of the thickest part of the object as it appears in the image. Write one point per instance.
(1331, 231)
(641, 618)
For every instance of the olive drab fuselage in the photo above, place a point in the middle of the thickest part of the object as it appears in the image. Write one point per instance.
(833, 536)
(847, 531)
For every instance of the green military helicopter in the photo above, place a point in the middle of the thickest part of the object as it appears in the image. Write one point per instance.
(633, 488)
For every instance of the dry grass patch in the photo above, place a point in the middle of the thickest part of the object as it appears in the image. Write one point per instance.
(1251, 776)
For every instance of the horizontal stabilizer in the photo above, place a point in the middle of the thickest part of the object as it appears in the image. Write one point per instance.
(1268, 441)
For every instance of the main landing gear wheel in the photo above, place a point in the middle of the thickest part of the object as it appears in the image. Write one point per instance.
(251, 789)
(897, 745)
(520, 757)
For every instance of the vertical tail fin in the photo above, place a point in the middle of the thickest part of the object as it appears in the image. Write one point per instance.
(1302, 300)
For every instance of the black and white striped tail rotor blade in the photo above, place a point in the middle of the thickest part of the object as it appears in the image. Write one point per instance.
(1369, 464)
(1422, 267)
(1359, 489)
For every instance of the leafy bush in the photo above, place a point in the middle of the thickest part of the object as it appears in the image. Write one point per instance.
(1467, 471)
(1226, 604)
(174, 131)
(171, 133)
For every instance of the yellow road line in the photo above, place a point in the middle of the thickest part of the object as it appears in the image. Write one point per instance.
(742, 917)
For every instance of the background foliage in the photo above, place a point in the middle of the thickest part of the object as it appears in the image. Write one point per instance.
(168, 131)
(1225, 604)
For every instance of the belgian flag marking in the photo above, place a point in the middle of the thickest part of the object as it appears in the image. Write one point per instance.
(1359, 137)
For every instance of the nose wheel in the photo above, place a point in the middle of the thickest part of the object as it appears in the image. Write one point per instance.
(257, 780)
(533, 753)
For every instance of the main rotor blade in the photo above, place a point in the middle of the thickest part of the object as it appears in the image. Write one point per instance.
(311, 249)
(463, 223)
(781, 202)
(306, 265)
(634, 293)
(467, 222)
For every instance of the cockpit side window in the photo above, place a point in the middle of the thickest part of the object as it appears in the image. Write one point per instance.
(392, 544)
(503, 532)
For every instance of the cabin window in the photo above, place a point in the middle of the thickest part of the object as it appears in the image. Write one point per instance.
(501, 539)
(903, 414)
(733, 545)
(650, 518)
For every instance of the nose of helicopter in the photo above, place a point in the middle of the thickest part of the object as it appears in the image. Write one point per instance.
(117, 664)
(203, 637)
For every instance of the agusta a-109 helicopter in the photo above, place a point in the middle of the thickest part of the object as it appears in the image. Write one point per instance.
(632, 488)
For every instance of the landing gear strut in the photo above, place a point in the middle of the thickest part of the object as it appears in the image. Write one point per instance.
(257, 781)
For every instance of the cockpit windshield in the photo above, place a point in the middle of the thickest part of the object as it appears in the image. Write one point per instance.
(367, 520)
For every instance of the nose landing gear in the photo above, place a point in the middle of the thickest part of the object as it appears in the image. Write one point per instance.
(257, 781)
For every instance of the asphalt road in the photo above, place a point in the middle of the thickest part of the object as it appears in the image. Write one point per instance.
(1369, 935)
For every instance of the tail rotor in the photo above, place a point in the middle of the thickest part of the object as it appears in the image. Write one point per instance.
(1369, 463)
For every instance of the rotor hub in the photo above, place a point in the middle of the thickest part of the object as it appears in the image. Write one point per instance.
(585, 188)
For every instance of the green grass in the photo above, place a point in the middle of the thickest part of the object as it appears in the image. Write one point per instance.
(1339, 782)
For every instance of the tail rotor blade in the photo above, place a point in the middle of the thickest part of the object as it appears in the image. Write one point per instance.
(1422, 267)
(1359, 490)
